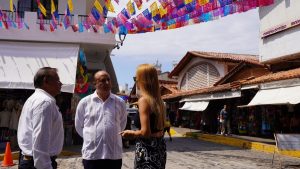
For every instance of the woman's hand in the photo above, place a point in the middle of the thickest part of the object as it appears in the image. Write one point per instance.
(127, 134)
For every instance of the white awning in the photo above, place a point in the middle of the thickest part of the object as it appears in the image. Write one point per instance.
(212, 96)
(276, 96)
(19, 61)
(194, 106)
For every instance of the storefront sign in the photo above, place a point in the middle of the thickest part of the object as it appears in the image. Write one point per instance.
(288, 141)
(280, 28)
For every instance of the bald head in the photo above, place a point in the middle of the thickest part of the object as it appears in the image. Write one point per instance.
(100, 73)
(102, 84)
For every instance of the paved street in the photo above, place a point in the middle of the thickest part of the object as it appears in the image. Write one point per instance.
(186, 153)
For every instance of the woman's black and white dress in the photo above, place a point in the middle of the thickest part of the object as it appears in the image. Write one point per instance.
(150, 153)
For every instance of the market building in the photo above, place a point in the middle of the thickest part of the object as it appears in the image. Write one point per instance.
(207, 81)
(275, 106)
(23, 51)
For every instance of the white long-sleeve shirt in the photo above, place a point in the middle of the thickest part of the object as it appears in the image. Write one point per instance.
(99, 123)
(40, 130)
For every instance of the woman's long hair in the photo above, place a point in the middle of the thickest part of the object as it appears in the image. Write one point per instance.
(147, 80)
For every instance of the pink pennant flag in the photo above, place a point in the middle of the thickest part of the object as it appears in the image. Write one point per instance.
(265, 2)
(139, 3)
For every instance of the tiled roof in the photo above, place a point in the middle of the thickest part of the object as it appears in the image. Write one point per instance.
(225, 57)
(236, 69)
(218, 88)
(171, 87)
(283, 75)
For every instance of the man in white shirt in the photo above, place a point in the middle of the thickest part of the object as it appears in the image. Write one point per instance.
(40, 130)
(100, 117)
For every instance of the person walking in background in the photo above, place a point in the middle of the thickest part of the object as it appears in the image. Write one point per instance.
(167, 127)
(150, 145)
(224, 120)
(99, 119)
(40, 130)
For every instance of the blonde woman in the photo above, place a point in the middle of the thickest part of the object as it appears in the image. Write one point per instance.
(150, 145)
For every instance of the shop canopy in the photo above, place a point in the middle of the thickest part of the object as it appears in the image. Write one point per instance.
(195, 106)
(276, 96)
(19, 61)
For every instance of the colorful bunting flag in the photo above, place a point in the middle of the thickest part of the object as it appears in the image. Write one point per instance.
(67, 12)
(80, 27)
(109, 6)
(70, 4)
(139, 3)
(98, 6)
(203, 2)
(125, 13)
(52, 7)
(162, 11)
(95, 13)
(187, 1)
(11, 4)
(122, 19)
(130, 7)
(179, 3)
(147, 14)
(154, 9)
(74, 28)
(42, 9)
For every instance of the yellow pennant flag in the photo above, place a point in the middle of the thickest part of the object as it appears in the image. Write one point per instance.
(188, 1)
(109, 6)
(42, 8)
(52, 7)
(162, 11)
(98, 6)
(70, 3)
(154, 9)
(130, 7)
(203, 2)
(11, 6)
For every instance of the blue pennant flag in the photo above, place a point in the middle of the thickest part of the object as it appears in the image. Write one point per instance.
(105, 28)
(95, 13)
(122, 30)
(125, 13)
(80, 27)
(147, 14)
(68, 11)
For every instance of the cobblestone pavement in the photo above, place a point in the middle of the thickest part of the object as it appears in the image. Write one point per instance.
(187, 153)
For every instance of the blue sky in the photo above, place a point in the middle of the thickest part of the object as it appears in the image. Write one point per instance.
(237, 33)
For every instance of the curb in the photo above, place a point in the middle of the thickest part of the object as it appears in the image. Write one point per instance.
(241, 143)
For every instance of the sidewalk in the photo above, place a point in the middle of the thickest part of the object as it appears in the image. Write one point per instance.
(245, 142)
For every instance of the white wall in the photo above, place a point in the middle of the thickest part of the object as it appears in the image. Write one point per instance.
(220, 67)
(285, 42)
(79, 7)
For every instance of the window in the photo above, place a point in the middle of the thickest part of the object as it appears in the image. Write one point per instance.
(201, 75)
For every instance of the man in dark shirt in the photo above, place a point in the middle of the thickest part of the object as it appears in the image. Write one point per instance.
(224, 120)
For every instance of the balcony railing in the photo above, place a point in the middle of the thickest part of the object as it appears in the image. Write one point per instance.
(61, 17)
(12, 16)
